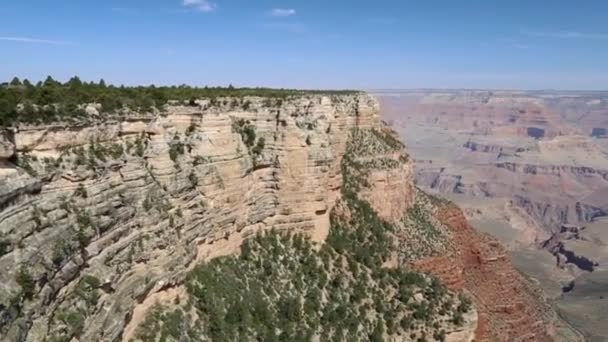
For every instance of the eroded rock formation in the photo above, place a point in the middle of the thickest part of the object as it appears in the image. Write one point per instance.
(556, 245)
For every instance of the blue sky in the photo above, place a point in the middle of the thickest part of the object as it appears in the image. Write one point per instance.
(524, 44)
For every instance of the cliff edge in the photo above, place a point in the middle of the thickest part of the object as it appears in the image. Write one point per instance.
(101, 220)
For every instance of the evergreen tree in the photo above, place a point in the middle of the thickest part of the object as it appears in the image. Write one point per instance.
(25, 280)
(74, 82)
(50, 81)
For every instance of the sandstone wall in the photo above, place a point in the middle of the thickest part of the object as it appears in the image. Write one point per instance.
(185, 180)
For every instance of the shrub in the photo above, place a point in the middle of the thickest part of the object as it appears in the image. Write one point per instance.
(139, 145)
(25, 162)
(4, 246)
(259, 147)
(191, 129)
(465, 303)
(74, 320)
(176, 148)
(193, 178)
(87, 290)
(25, 280)
(457, 318)
(59, 252)
(81, 191)
(246, 130)
(199, 160)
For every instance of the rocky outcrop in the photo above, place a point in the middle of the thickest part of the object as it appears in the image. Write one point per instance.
(498, 150)
(556, 245)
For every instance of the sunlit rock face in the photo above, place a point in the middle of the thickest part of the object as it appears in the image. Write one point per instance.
(133, 202)
(106, 218)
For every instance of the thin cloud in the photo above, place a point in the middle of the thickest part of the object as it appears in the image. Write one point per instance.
(282, 12)
(200, 5)
(35, 41)
(565, 34)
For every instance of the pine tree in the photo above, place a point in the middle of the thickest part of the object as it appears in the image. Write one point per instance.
(25, 280)
(16, 82)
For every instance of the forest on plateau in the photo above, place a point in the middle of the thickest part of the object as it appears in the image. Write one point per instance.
(52, 101)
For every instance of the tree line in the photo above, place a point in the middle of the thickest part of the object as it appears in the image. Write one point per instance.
(22, 101)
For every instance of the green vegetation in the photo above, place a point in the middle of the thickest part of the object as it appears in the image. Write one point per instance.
(25, 280)
(93, 157)
(69, 322)
(81, 191)
(374, 149)
(281, 289)
(155, 200)
(37, 215)
(87, 290)
(73, 325)
(61, 250)
(4, 246)
(284, 288)
(51, 101)
(422, 234)
(247, 131)
(199, 160)
(163, 324)
(176, 149)
(259, 147)
(372, 142)
(191, 129)
(25, 162)
(193, 178)
(420, 219)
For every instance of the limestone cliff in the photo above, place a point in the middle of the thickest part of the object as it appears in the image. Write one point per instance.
(99, 217)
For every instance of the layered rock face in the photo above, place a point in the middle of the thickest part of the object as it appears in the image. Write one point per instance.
(535, 150)
(100, 220)
(131, 203)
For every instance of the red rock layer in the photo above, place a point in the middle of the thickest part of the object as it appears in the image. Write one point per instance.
(507, 308)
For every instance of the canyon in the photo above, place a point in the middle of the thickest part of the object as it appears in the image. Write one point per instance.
(531, 169)
(103, 219)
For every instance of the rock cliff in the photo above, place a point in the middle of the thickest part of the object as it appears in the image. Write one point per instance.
(101, 219)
